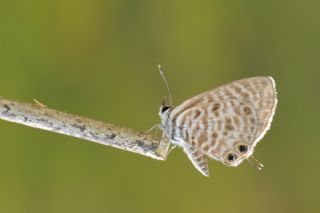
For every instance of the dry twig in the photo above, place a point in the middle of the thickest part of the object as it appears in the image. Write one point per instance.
(39, 116)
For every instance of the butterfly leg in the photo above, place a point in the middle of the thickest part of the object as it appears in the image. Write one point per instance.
(39, 103)
(172, 145)
(172, 148)
(153, 128)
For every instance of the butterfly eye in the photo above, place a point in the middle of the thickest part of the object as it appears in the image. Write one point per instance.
(243, 148)
(164, 108)
(230, 157)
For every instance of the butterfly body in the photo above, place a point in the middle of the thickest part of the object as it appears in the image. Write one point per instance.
(224, 124)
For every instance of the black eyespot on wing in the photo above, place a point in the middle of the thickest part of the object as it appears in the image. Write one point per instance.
(243, 149)
(231, 157)
(164, 109)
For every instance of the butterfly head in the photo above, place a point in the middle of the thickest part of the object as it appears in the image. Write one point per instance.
(165, 111)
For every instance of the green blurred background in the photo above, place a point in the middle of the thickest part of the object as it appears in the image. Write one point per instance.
(99, 58)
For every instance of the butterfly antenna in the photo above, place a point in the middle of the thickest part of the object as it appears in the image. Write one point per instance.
(255, 162)
(166, 83)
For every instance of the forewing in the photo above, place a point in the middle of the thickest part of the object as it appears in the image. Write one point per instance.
(238, 112)
(257, 92)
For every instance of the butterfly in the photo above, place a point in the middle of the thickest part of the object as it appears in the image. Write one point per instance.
(224, 124)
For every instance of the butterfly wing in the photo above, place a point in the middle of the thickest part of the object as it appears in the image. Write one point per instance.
(197, 158)
(217, 128)
(216, 120)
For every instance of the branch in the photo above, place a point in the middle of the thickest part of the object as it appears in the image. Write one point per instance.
(39, 116)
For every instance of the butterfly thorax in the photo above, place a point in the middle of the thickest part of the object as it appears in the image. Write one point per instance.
(164, 114)
(168, 126)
